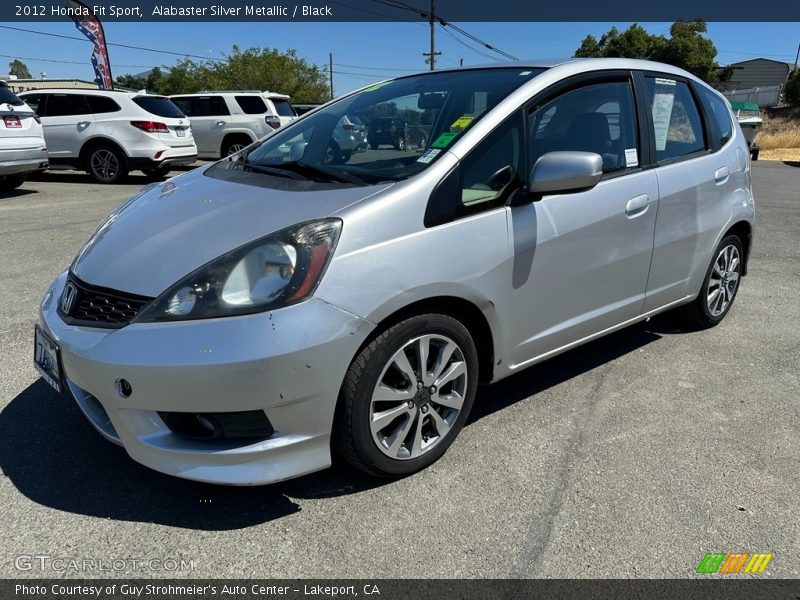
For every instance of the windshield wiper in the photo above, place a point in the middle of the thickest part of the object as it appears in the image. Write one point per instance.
(270, 170)
(297, 166)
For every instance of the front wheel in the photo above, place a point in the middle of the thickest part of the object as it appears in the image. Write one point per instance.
(719, 286)
(406, 396)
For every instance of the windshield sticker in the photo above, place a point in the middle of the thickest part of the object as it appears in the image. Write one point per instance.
(461, 122)
(377, 86)
(445, 139)
(631, 157)
(663, 99)
(428, 156)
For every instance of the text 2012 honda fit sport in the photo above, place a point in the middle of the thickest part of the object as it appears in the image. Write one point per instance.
(240, 323)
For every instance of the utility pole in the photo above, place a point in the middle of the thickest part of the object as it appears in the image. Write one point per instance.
(432, 54)
(330, 71)
(797, 56)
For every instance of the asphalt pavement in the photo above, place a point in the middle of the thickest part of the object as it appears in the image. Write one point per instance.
(632, 456)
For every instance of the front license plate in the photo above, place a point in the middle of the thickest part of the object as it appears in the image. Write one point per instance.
(180, 132)
(46, 358)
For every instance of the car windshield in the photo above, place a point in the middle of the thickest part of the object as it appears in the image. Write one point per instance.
(159, 106)
(408, 122)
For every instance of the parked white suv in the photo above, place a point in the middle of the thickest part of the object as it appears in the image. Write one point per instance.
(22, 147)
(109, 133)
(224, 122)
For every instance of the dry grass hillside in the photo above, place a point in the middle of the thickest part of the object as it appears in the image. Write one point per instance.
(780, 137)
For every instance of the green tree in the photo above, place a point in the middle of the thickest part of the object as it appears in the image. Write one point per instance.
(20, 69)
(791, 90)
(686, 47)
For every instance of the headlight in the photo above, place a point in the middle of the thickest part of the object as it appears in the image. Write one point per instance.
(281, 269)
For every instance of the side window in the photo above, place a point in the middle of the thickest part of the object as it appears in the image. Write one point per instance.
(67, 105)
(599, 118)
(251, 105)
(102, 104)
(210, 106)
(185, 105)
(720, 112)
(676, 119)
(37, 103)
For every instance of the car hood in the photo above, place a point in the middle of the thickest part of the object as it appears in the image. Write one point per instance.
(170, 229)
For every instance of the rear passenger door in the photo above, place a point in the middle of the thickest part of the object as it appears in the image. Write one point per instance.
(581, 259)
(693, 181)
(68, 122)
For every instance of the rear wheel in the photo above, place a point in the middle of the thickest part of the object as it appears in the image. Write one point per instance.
(754, 152)
(107, 164)
(400, 144)
(406, 396)
(719, 286)
(11, 182)
(333, 155)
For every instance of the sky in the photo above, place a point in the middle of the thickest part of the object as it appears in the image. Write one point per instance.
(362, 52)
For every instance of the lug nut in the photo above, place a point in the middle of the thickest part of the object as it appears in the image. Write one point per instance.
(424, 409)
(433, 389)
(410, 404)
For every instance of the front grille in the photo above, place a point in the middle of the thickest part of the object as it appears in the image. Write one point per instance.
(94, 306)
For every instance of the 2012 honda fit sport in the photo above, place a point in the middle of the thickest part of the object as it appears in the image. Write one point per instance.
(242, 322)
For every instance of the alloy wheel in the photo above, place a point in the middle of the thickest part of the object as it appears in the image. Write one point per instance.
(105, 165)
(234, 148)
(418, 397)
(724, 280)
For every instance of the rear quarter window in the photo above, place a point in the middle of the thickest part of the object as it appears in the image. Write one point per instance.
(102, 104)
(676, 119)
(718, 108)
(251, 105)
(159, 106)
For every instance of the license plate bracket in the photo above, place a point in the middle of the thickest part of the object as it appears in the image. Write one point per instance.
(47, 358)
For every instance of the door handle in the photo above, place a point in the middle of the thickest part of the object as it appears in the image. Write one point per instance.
(637, 206)
(722, 174)
(84, 123)
(220, 123)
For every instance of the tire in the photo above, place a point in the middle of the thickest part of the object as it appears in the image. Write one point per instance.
(333, 156)
(106, 164)
(156, 173)
(234, 145)
(400, 144)
(374, 146)
(346, 156)
(12, 182)
(421, 422)
(703, 312)
(754, 152)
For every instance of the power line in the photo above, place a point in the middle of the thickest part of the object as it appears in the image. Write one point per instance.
(466, 45)
(376, 68)
(128, 46)
(481, 42)
(70, 62)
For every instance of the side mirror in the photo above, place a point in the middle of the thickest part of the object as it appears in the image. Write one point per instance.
(562, 172)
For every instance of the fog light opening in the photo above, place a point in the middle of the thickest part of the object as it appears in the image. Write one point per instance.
(123, 387)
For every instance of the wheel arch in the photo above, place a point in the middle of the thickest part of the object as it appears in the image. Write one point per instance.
(464, 311)
(235, 135)
(744, 231)
(97, 142)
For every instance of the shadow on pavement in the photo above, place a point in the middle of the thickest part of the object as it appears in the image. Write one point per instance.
(17, 193)
(53, 456)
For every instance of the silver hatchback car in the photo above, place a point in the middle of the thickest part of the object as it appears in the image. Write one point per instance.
(242, 322)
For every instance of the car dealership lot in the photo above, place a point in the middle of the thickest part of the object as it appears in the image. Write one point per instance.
(632, 456)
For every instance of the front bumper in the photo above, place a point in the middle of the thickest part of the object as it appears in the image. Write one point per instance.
(290, 363)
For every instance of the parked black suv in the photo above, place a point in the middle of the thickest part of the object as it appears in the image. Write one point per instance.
(388, 130)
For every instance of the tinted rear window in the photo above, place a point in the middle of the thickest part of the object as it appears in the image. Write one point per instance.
(721, 114)
(283, 108)
(9, 97)
(159, 106)
(251, 105)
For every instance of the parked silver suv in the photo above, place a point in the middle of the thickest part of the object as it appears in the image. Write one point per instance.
(238, 323)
